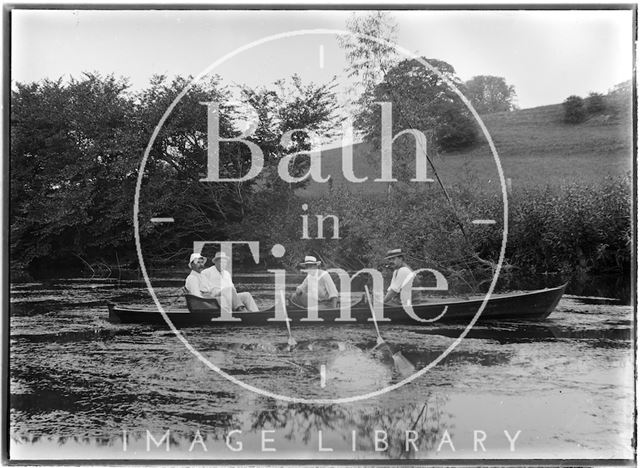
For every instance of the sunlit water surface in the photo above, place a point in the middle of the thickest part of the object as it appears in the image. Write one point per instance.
(81, 387)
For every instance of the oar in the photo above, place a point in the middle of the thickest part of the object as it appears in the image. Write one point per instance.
(379, 341)
(403, 365)
(291, 342)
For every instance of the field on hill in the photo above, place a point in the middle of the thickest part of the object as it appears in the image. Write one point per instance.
(535, 147)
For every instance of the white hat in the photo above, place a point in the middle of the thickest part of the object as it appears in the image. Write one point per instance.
(220, 256)
(394, 253)
(310, 260)
(194, 256)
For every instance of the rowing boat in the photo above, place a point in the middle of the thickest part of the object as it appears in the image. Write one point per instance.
(527, 305)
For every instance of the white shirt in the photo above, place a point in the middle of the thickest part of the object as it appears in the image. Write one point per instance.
(217, 280)
(326, 288)
(401, 279)
(198, 285)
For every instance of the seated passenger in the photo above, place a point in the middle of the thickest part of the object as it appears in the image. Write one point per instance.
(401, 281)
(196, 283)
(220, 280)
(319, 281)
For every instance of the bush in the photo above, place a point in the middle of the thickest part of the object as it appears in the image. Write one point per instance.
(595, 103)
(567, 229)
(574, 110)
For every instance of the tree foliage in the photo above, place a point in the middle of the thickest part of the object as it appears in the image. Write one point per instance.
(288, 106)
(76, 148)
(619, 100)
(574, 110)
(595, 103)
(421, 99)
(490, 94)
(368, 60)
(71, 146)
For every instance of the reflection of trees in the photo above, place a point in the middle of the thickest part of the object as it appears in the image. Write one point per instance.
(298, 421)
(301, 422)
(426, 420)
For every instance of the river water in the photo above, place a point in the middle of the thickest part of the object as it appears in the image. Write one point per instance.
(81, 387)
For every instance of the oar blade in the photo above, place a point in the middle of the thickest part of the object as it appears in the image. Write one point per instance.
(404, 366)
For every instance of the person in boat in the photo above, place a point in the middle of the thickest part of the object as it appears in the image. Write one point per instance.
(222, 286)
(196, 283)
(401, 279)
(318, 280)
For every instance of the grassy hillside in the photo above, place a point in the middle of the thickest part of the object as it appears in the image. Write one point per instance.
(535, 147)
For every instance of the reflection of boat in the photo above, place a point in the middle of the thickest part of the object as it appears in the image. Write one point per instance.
(529, 305)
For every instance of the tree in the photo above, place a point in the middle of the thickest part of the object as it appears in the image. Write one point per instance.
(619, 100)
(595, 103)
(178, 160)
(76, 148)
(367, 60)
(286, 106)
(574, 111)
(70, 151)
(421, 99)
(215, 210)
(490, 94)
(624, 88)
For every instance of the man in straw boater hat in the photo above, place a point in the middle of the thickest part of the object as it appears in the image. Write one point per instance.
(197, 284)
(400, 286)
(318, 282)
(223, 286)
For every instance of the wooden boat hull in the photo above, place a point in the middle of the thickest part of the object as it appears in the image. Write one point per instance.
(150, 315)
(530, 305)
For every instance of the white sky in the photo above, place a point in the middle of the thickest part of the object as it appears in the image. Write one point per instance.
(546, 55)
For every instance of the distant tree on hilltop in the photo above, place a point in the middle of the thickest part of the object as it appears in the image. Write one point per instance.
(622, 88)
(595, 103)
(490, 94)
(619, 99)
(574, 110)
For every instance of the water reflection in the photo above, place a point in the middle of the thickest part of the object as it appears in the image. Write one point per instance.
(77, 380)
(396, 431)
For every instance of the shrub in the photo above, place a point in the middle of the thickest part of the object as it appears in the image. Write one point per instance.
(574, 111)
(595, 103)
(567, 229)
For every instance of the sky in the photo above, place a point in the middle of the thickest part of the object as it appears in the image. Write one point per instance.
(546, 55)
